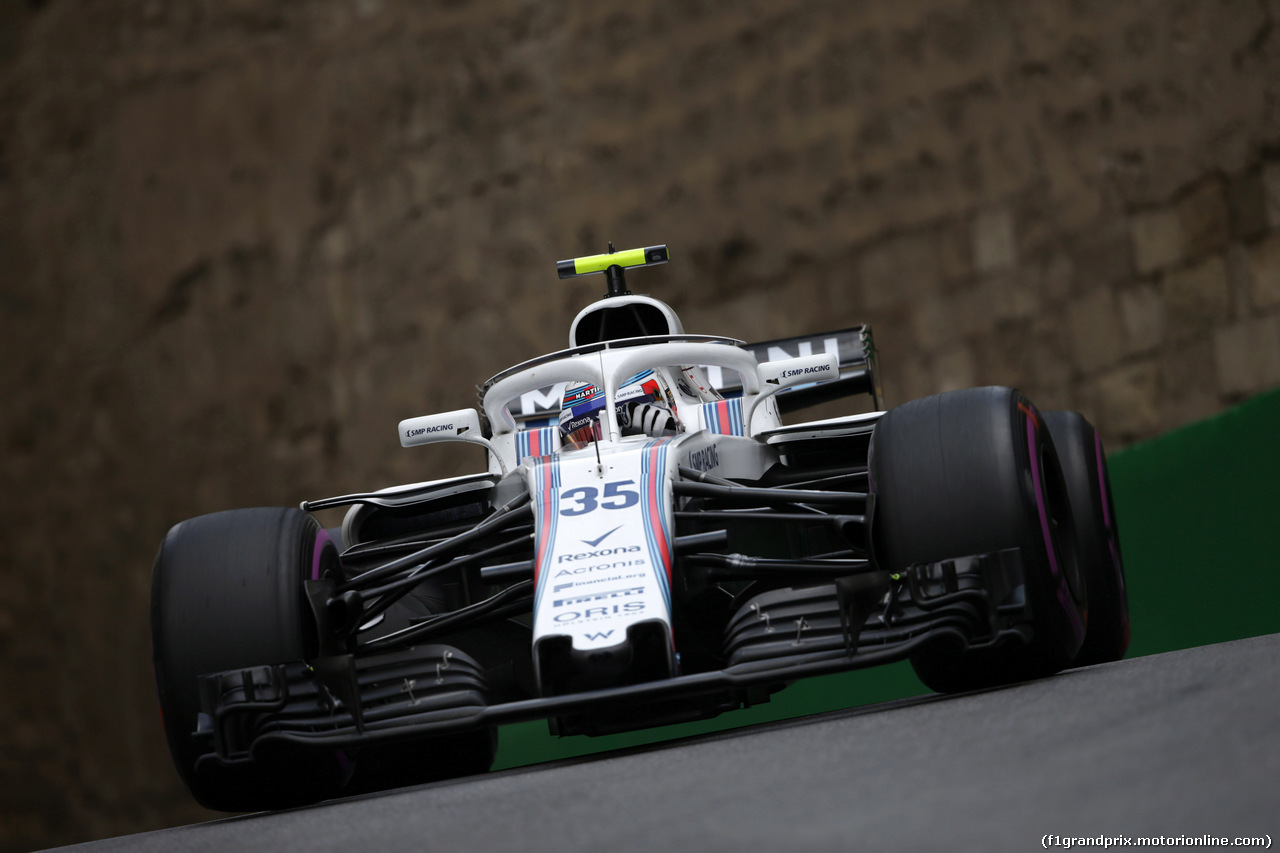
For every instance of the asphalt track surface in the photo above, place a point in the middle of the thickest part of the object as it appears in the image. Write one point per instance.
(1179, 744)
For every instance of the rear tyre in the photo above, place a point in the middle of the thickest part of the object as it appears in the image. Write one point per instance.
(226, 592)
(1097, 537)
(970, 472)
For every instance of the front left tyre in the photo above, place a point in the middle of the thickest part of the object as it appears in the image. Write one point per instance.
(973, 472)
(1084, 467)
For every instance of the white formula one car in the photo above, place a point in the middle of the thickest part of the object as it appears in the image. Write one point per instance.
(650, 544)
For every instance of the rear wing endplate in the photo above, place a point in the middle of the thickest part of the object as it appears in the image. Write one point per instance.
(859, 373)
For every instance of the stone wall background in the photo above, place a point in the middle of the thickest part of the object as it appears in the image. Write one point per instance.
(239, 240)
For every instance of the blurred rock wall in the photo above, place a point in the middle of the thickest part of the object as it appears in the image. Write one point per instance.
(240, 239)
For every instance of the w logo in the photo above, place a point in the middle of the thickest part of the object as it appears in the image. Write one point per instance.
(600, 635)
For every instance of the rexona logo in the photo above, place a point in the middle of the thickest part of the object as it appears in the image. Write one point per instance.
(603, 552)
(414, 433)
(705, 459)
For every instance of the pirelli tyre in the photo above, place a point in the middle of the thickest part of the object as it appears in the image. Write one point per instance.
(227, 592)
(971, 472)
(1084, 466)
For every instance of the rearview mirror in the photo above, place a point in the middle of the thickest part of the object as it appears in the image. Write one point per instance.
(789, 372)
(462, 425)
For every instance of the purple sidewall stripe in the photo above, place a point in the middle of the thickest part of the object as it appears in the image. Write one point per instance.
(1040, 505)
(1102, 481)
(322, 538)
(1111, 533)
(1064, 597)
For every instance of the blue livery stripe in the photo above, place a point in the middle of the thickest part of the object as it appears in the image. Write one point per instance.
(546, 516)
(724, 417)
(653, 475)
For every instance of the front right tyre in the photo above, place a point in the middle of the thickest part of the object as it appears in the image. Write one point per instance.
(227, 592)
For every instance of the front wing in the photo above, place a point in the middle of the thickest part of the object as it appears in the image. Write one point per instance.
(863, 618)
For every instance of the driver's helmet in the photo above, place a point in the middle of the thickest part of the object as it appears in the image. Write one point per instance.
(644, 404)
(580, 415)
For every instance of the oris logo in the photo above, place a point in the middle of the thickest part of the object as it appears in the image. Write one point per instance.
(599, 612)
